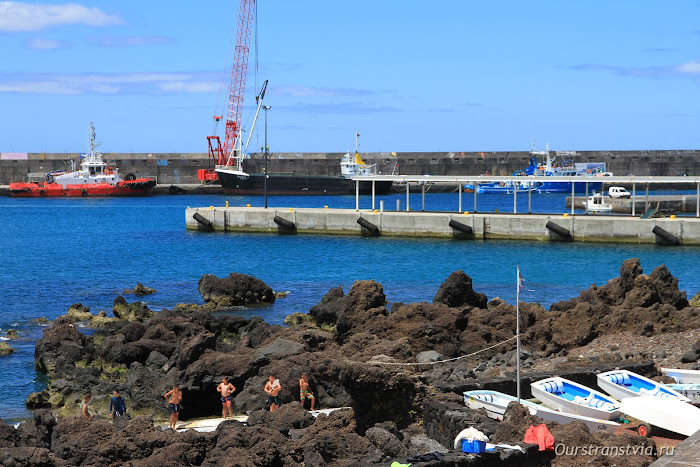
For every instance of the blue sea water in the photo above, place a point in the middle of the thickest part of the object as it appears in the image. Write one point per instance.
(57, 252)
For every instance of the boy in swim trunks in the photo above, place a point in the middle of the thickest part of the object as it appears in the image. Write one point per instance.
(174, 397)
(226, 388)
(273, 393)
(305, 392)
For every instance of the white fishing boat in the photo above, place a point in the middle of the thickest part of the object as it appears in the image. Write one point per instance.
(597, 203)
(495, 404)
(624, 383)
(568, 396)
(689, 390)
(682, 375)
(664, 412)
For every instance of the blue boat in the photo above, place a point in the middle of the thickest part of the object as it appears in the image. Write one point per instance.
(592, 171)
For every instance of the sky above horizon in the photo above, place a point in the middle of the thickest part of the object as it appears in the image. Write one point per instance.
(407, 75)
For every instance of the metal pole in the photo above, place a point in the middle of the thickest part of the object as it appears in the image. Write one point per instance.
(373, 193)
(573, 198)
(266, 107)
(357, 195)
(530, 187)
(476, 186)
(646, 199)
(515, 196)
(517, 330)
(422, 190)
(459, 204)
(697, 201)
(407, 206)
(634, 201)
(585, 202)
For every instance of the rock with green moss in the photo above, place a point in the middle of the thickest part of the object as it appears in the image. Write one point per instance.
(695, 301)
(137, 311)
(140, 289)
(5, 349)
(101, 319)
(12, 334)
(78, 312)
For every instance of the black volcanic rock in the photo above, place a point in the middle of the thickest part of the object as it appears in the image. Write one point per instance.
(234, 290)
(457, 291)
(330, 306)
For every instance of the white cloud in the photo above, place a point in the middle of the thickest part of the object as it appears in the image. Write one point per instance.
(103, 83)
(133, 41)
(43, 44)
(16, 16)
(307, 91)
(690, 68)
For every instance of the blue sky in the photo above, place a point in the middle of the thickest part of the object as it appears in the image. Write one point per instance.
(410, 75)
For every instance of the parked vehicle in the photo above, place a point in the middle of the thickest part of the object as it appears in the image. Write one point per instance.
(618, 192)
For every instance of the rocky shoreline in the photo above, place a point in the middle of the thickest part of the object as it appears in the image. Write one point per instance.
(384, 363)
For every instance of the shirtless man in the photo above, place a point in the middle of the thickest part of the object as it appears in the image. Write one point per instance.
(226, 388)
(305, 392)
(272, 393)
(174, 397)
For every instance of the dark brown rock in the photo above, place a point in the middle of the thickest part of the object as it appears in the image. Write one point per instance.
(235, 290)
(457, 291)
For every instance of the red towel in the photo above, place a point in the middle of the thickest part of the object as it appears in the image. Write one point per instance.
(541, 436)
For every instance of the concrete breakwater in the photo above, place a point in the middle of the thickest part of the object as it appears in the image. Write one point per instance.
(181, 168)
(480, 226)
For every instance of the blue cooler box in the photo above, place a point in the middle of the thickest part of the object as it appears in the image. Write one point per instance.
(473, 446)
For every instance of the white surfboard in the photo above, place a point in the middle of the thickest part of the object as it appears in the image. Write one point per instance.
(669, 414)
(208, 424)
(316, 413)
(275, 383)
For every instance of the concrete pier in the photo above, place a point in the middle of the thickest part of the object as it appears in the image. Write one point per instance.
(484, 226)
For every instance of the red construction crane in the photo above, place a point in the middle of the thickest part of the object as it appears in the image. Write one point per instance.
(218, 154)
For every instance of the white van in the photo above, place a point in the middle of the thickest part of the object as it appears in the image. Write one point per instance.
(618, 192)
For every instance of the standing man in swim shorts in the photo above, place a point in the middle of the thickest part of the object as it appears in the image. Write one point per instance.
(226, 388)
(305, 392)
(174, 397)
(273, 388)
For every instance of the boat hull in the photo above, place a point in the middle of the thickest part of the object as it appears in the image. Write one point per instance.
(622, 383)
(495, 404)
(682, 375)
(667, 413)
(138, 187)
(292, 184)
(575, 398)
(691, 391)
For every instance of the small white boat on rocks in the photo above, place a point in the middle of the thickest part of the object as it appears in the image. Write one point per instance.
(568, 396)
(682, 375)
(663, 412)
(689, 390)
(495, 404)
(624, 383)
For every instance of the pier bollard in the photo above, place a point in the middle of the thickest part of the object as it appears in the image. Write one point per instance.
(398, 205)
(204, 223)
(381, 206)
(226, 203)
(666, 236)
(371, 229)
(564, 234)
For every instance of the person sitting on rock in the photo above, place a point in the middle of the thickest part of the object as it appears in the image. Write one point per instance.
(174, 397)
(117, 405)
(84, 407)
(226, 389)
(305, 392)
(273, 388)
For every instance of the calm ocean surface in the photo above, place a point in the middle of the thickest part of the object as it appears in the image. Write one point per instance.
(57, 252)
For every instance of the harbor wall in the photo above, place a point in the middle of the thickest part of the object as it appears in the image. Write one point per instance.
(486, 226)
(181, 168)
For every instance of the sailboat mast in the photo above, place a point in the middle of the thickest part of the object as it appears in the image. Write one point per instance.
(517, 331)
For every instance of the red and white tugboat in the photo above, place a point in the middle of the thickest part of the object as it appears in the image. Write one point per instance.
(94, 178)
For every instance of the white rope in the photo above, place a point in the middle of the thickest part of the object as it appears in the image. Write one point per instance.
(442, 361)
